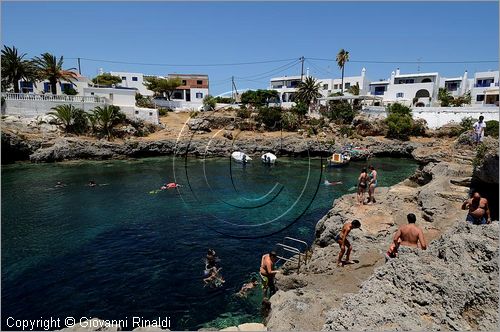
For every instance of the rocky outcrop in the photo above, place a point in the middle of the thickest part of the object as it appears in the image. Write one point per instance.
(434, 194)
(487, 168)
(451, 286)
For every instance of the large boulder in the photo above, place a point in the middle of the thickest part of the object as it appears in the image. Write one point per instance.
(199, 125)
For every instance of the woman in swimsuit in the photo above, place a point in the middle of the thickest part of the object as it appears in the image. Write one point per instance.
(372, 185)
(362, 184)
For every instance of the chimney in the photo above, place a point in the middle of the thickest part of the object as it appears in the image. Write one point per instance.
(307, 72)
(397, 72)
(392, 77)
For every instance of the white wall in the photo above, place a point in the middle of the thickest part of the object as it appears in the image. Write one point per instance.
(118, 97)
(32, 108)
(438, 116)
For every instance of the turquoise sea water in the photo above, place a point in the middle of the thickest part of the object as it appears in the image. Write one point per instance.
(125, 249)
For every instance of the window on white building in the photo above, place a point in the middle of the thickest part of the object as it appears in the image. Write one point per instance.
(325, 86)
(124, 78)
(199, 82)
(184, 82)
(347, 85)
(134, 78)
(480, 98)
(46, 87)
(400, 95)
(199, 95)
(335, 86)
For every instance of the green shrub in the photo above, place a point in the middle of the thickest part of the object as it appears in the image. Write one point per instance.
(466, 124)
(399, 109)
(491, 128)
(243, 113)
(270, 116)
(480, 154)
(162, 111)
(72, 119)
(193, 114)
(224, 100)
(399, 126)
(105, 118)
(209, 103)
(300, 109)
(419, 127)
(290, 121)
(345, 131)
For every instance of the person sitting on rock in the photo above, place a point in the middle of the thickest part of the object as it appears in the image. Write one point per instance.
(479, 211)
(392, 252)
(410, 235)
(344, 244)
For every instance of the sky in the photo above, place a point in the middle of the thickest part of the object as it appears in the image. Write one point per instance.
(165, 37)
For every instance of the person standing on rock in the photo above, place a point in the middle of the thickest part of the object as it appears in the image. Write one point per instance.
(479, 130)
(267, 273)
(345, 245)
(362, 185)
(479, 211)
(372, 184)
(409, 235)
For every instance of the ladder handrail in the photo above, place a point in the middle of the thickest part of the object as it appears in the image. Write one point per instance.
(296, 240)
(295, 250)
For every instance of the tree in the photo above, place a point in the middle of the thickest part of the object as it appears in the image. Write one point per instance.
(270, 116)
(308, 91)
(15, 68)
(48, 67)
(163, 86)
(106, 79)
(259, 97)
(354, 89)
(342, 59)
(105, 118)
(72, 119)
(444, 96)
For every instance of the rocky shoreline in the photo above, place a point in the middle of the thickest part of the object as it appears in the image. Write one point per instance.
(452, 285)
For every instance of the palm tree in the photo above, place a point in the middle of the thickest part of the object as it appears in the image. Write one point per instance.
(342, 59)
(15, 68)
(105, 118)
(308, 91)
(73, 120)
(354, 89)
(50, 68)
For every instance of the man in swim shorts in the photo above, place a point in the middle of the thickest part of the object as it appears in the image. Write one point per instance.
(410, 235)
(267, 273)
(344, 244)
(372, 184)
(479, 211)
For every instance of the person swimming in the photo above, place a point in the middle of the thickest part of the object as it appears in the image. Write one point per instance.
(247, 287)
(92, 183)
(328, 183)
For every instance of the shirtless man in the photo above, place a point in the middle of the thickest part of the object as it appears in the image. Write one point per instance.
(409, 235)
(341, 239)
(479, 211)
(267, 272)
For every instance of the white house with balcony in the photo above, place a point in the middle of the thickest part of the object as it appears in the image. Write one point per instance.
(287, 86)
(43, 87)
(456, 86)
(485, 90)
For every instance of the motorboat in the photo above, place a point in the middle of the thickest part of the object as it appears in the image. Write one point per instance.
(268, 158)
(339, 159)
(240, 157)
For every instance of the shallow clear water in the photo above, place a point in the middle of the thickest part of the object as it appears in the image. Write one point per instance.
(124, 248)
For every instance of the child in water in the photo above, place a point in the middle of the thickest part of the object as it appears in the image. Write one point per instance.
(247, 287)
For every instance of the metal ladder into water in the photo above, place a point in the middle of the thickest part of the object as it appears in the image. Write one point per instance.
(298, 248)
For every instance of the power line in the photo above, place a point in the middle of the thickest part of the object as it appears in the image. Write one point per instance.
(185, 65)
(413, 62)
(271, 72)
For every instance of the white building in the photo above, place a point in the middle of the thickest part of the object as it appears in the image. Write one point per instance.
(133, 80)
(194, 87)
(485, 90)
(42, 87)
(456, 86)
(287, 86)
(420, 89)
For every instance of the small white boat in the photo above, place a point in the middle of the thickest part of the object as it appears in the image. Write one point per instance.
(268, 158)
(240, 157)
(339, 159)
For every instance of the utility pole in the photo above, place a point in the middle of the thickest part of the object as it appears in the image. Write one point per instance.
(233, 86)
(302, 68)
(79, 68)
(232, 90)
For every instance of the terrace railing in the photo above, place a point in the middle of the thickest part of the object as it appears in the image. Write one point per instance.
(50, 97)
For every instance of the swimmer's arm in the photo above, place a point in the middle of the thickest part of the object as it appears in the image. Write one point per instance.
(466, 204)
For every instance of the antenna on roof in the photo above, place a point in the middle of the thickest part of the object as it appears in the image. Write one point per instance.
(418, 66)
